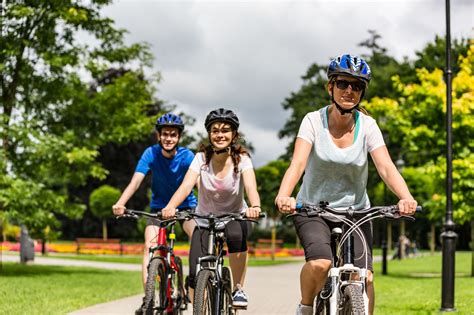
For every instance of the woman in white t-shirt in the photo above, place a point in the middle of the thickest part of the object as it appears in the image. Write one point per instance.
(224, 170)
(331, 149)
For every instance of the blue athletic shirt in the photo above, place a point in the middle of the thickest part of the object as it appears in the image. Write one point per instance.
(167, 174)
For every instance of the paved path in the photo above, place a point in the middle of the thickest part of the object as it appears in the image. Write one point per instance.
(271, 290)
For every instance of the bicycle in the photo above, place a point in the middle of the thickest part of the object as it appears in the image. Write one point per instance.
(164, 290)
(345, 289)
(213, 285)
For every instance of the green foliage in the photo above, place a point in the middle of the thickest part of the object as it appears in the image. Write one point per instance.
(102, 199)
(268, 182)
(416, 122)
(54, 121)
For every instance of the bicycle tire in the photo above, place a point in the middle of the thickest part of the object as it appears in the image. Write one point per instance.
(353, 300)
(178, 284)
(322, 306)
(204, 293)
(155, 288)
(227, 292)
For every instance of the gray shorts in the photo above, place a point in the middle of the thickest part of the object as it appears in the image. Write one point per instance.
(315, 236)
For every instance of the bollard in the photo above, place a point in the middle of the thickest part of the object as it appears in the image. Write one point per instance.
(384, 257)
(27, 246)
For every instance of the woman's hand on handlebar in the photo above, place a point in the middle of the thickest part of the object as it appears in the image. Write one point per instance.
(407, 206)
(118, 210)
(253, 212)
(285, 205)
(168, 212)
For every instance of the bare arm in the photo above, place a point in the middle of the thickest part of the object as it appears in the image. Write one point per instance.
(250, 184)
(292, 175)
(132, 187)
(180, 195)
(395, 182)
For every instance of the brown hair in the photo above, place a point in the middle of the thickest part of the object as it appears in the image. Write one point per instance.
(235, 151)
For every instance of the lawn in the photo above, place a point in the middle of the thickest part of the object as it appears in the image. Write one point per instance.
(413, 286)
(35, 289)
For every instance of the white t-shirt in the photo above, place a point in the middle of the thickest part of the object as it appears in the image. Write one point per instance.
(220, 196)
(333, 174)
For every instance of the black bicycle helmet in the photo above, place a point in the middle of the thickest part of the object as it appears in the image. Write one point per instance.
(351, 65)
(169, 120)
(223, 115)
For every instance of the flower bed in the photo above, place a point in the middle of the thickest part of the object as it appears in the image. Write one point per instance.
(133, 249)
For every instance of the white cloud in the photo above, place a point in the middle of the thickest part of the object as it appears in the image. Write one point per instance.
(250, 55)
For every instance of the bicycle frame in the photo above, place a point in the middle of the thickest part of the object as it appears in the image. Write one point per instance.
(165, 252)
(340, 277)
(215, 262)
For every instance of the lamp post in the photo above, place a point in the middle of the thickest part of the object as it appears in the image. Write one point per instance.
(448, 237)
(400, 163)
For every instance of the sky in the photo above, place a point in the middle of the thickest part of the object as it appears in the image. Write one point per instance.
(249, 56)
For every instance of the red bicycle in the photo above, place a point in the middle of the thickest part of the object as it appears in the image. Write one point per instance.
(164, 290)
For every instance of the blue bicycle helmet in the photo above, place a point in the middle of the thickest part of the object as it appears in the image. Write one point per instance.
(169, 120)
(223, 115)
(350, 65)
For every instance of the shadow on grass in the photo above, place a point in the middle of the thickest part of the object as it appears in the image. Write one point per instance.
(19, 270)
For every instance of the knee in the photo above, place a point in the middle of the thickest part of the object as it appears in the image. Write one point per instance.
(370, 278)
(319, 266)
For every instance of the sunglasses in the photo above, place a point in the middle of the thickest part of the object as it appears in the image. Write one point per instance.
(355, 85)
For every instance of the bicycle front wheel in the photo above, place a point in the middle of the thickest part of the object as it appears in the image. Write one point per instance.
(178, 288)
(353, 300)
(204, 293)
(227, 291)
(322, 306)
(155, 288)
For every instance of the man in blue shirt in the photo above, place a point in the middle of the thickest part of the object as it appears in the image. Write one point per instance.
(168, 164)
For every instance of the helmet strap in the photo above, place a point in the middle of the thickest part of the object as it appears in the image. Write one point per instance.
(342, 110)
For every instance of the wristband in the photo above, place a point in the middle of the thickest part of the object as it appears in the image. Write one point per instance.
(255, 207)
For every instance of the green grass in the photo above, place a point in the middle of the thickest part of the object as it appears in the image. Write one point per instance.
(36, 289)
(254, 262)
(413, 286)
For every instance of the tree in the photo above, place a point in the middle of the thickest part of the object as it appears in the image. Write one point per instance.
(53, 122)
(101, 201)
(268, 182)
(417, 120)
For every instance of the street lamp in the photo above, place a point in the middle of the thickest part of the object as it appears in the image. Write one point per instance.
(448, 236)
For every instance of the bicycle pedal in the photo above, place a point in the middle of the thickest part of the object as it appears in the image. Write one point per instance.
(241, 308)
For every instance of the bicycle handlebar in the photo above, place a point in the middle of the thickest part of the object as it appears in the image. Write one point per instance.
(185, 215)
(311, 210)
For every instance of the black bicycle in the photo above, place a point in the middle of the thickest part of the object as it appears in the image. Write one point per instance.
(213, 287)
(164, 290)
(345, 289)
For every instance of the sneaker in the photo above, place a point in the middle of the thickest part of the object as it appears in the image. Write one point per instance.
(139, 311)
(239, 298)
(304, 309)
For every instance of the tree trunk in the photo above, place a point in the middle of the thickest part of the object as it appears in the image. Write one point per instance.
(389, 238)
(104, 229)
(433, 239)
(43, 246)
(402, 243)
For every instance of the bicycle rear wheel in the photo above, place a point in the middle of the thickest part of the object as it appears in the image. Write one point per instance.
(204, 293)
(353, 300)
(155, 288)
(227, 292)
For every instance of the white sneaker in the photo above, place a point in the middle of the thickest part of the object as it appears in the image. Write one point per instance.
(239, 298)
(304, 309)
